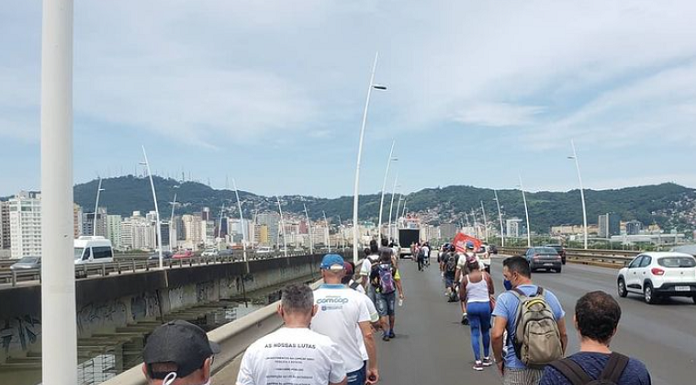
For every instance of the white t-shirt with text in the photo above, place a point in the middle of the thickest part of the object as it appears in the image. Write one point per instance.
(340, 309)
(292, 356)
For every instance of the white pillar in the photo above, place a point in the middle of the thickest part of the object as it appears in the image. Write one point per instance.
(500, 218)
(582, 193)
(391, 206)
(526, 213)
(58, 313)
(241, 219)
(381, 201)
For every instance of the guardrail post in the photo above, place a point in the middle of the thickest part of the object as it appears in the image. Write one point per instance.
(103, 270)
(134, 269)
(14, 278)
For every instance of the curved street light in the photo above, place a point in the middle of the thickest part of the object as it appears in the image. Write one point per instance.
(500, 218)
(526, 213)
(384, 187)
(357, 166)
(582, 191)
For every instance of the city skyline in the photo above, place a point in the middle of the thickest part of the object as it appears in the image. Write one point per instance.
(467, 104)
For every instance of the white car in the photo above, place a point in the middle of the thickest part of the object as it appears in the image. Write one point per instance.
(657, 275)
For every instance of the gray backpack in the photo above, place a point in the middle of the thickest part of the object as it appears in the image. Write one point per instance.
(611, 375)
(537, 340)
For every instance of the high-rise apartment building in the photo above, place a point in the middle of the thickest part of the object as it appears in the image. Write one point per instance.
(609, 224)
(113, 230)
(25, 224)
(272, 222)
(513, 227)
(77, 221)
(88, 223)
(633, 227)
(192, 228)
(5, 225)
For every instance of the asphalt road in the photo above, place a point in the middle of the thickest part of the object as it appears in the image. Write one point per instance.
(432, 347)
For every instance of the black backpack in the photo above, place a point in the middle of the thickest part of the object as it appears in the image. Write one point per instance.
(577, 375)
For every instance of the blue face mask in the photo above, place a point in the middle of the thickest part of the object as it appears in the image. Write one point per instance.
(507, 284)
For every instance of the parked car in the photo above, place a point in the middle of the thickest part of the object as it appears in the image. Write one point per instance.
(543, 258)
(210, 252)
(657, 275)
(560, 250)
(155, 256)
(27, 263)
(183, 254)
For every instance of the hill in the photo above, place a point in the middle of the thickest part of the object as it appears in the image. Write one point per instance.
(668, 204)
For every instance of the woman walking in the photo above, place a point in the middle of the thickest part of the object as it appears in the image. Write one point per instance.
(477, 294)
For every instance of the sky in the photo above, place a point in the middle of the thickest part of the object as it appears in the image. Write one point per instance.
(271, 93)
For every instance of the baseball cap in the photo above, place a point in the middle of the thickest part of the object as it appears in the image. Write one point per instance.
(332, 262)
(181, 343)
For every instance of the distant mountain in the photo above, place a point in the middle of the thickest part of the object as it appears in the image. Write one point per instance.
(668, 204)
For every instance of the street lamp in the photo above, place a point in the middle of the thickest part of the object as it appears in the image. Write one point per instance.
(309, 230)
(282, 225)
(582, 192)
(526, 213)
(384, 187)
(391, 206)
(158, 230)
(357, 166)
(96, 207)
(328, 231)
(241, 219)
(500, 218)
(485, 221)
(171, 221)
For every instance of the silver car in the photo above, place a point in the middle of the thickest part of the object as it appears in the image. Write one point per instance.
(27, 263)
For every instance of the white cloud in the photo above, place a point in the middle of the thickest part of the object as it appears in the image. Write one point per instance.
(498, 115)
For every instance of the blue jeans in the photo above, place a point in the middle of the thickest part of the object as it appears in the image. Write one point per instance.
(479, 314)
(386, 304)
(357, 377)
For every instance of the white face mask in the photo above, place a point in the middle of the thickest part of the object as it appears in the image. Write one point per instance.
(171, 377)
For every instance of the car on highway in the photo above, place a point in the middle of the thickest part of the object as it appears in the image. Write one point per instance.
(658, 275)
(27, 263)
(92, 249)
(210, 252)
(484, 257)
(560, 250)
(541, 257)
(183, 254)
(155, 256)
(264, 250)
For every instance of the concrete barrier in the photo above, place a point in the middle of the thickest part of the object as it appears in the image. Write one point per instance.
(234, 338)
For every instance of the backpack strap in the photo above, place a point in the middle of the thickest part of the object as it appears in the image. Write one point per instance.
(354, 285)
(572, 371)
(518, 293)
(614, 368)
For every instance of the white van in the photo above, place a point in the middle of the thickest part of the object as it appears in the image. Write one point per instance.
(90, 249)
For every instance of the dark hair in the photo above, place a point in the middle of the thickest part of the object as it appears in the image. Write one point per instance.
(472, 265)
(366, 251)
(385, 256)
(346, 278)
(385, 242)
(518, 265)
(374, 249)
(598, 315)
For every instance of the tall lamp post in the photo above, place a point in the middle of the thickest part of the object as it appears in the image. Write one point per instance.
(357, 166)
(241, 219)
(282, 225)
(500, 218)
(485, 221)
(158, 230)
(59, 330)
(171, 221)
(526, 213)
(96, 208)
(328, 231)
(582, 192)
(384, 187)
(309, 230)
(391, 206)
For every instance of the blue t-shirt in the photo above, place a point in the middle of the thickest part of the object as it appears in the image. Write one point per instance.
(506, 307)
(593, 363)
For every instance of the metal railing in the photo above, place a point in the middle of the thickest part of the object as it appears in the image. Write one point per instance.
(617, 258)
(142, 263)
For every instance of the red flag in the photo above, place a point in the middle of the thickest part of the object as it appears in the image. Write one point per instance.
(460, 240)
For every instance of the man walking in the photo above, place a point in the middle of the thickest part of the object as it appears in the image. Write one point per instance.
(178, 353)
(339, 310)
(386, 280)
(513, 311)
(597, 316)
(294, 354)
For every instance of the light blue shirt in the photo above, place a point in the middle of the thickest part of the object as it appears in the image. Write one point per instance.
(506, 307)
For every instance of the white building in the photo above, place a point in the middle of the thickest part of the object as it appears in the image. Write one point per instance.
(4, 225)
(192, 229)
(25, 224)
(512, 227)
(113, 230)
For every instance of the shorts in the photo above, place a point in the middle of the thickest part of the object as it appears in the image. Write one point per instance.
(522, 376)
(357, 377)
(449, 281)
(386, 304)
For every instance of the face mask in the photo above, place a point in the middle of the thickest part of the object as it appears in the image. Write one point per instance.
(171, 377)
(507, 284)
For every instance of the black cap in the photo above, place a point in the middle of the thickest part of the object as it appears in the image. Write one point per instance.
(181, 343)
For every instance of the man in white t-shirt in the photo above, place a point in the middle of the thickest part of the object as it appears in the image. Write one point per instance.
(294, 354)
(340, 310)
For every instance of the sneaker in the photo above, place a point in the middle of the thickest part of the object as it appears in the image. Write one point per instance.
(487, 362)
(385, 337)
(391, 334)
(478, 366)
(465, 320)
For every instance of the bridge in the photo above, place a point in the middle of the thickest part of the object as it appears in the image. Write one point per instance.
(431, 345)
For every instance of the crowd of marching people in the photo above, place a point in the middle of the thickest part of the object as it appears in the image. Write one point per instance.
(330, 334)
